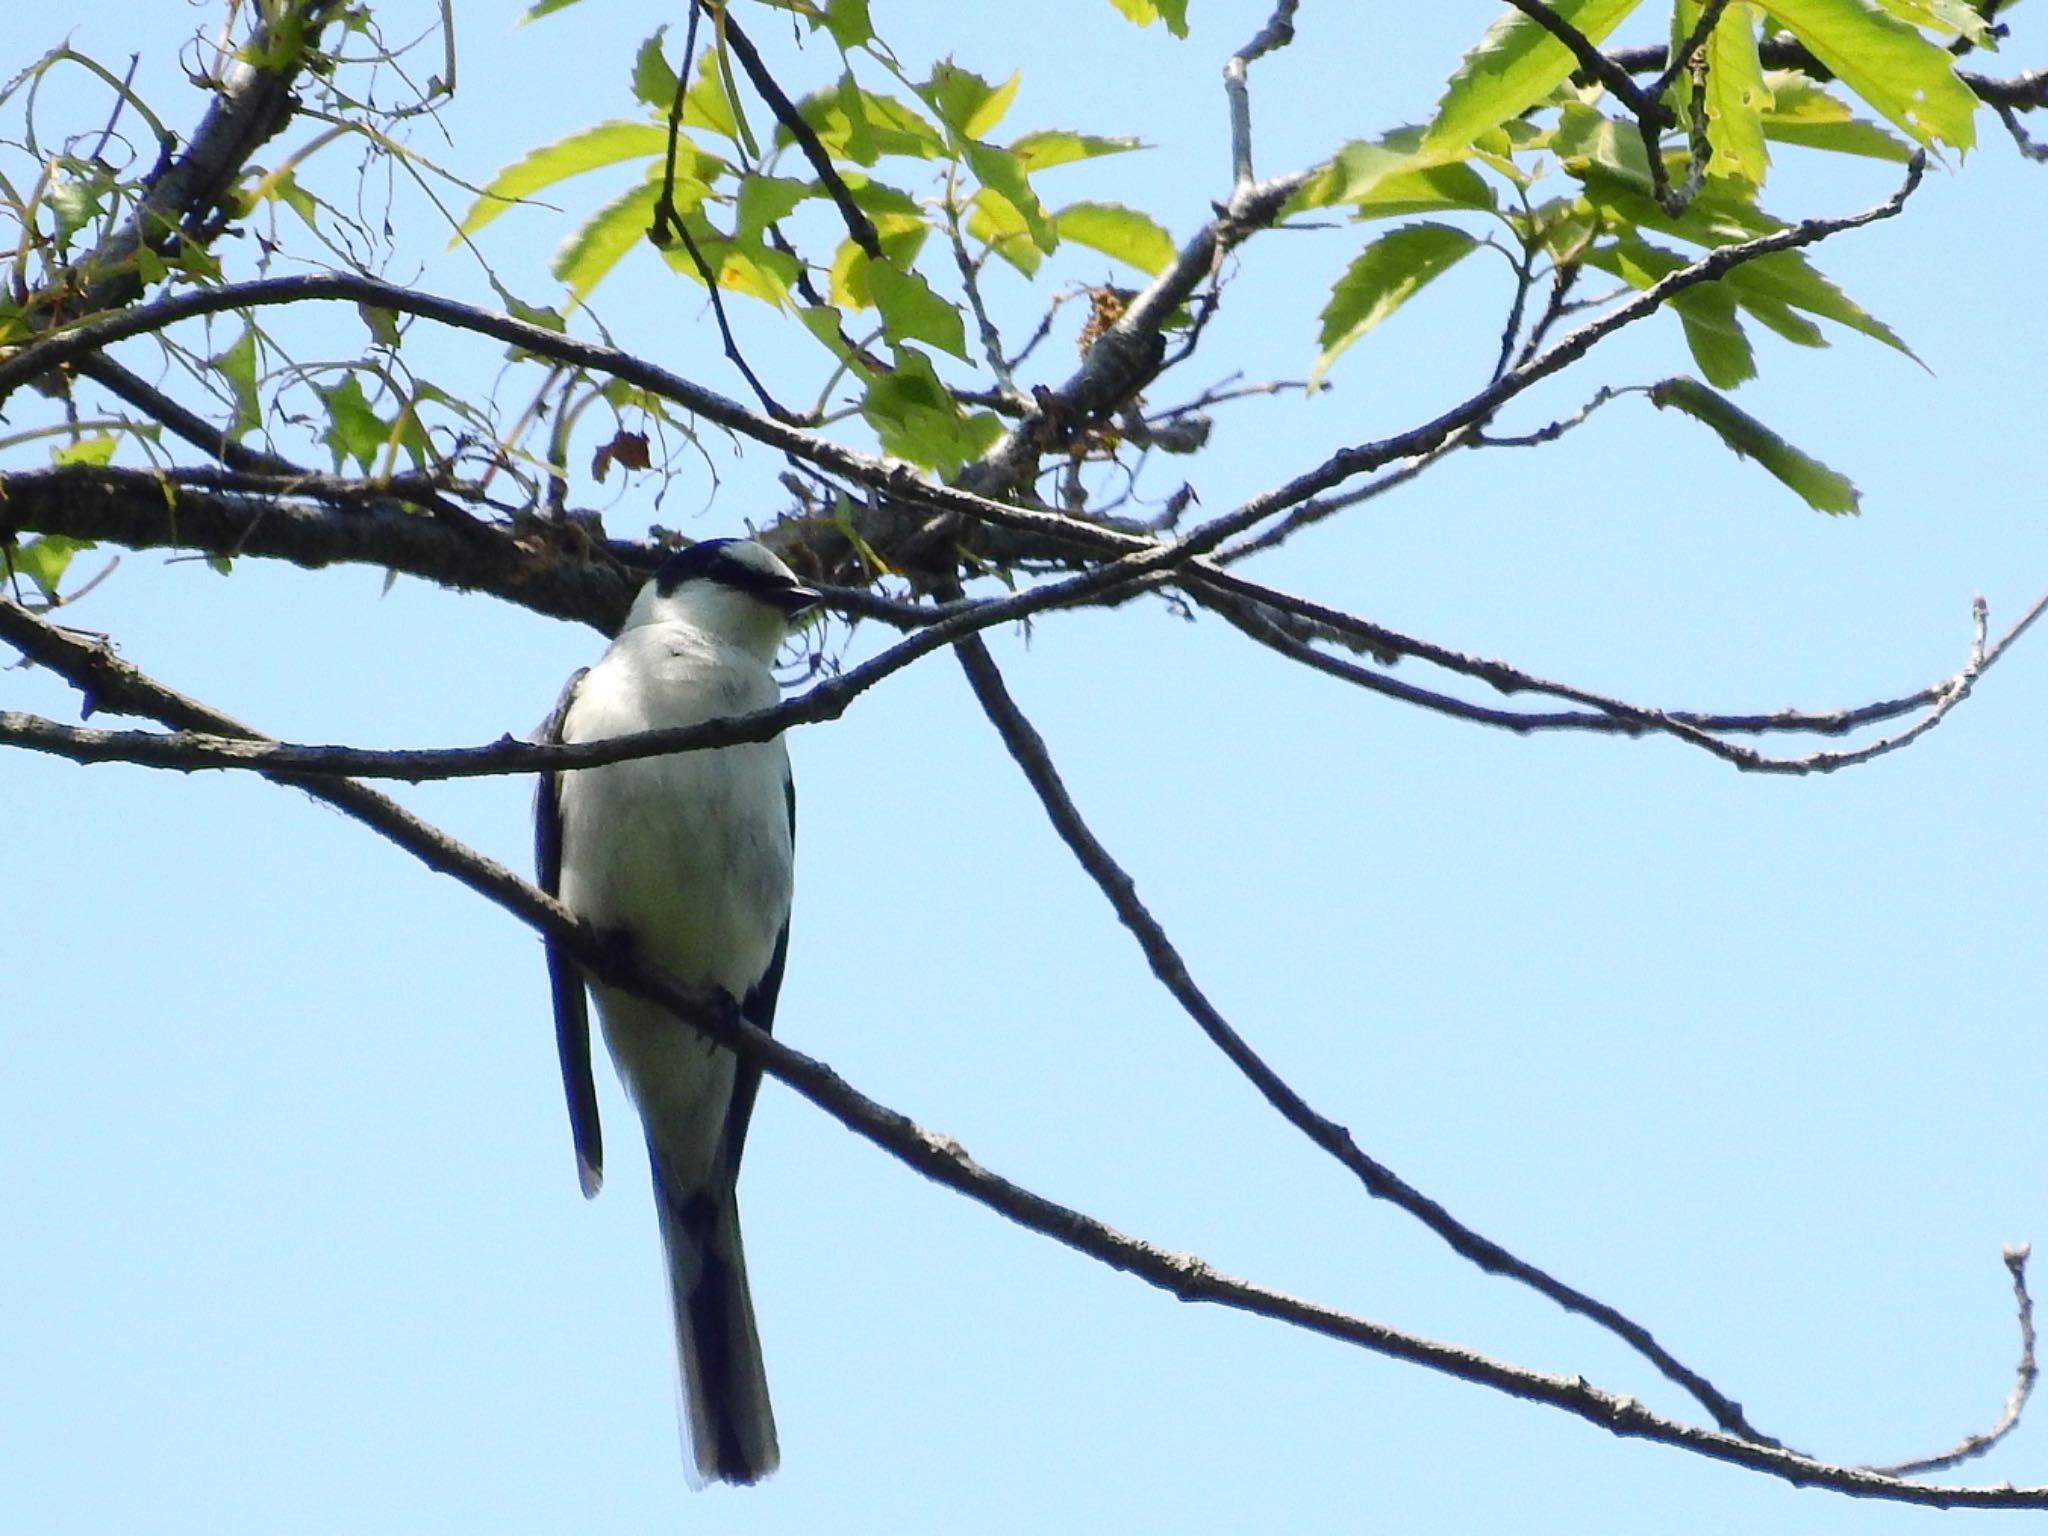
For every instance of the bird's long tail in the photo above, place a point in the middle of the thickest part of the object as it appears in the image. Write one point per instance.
(723, 1382)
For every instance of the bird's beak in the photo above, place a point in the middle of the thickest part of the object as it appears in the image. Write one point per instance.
(796, 598)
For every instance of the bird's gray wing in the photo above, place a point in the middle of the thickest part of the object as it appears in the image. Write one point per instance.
(758, 1009)
(572, 1003)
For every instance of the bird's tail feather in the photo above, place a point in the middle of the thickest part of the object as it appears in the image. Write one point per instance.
(724, 1385)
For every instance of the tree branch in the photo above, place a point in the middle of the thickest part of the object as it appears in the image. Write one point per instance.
(118, 686)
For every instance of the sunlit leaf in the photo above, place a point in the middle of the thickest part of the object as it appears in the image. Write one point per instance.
(765, 199)
(965, 102)
(847, 21)
(654, 81)
(1114, 230)
(917, 418)
(1515, 65)
(1056, 146)
(1888, 63)
(912, 312)
(1804, 113)
(354, 430)
(1003, 173)
(236, 368)
(96, 450)
(44, 560)
(1144, 12)
(598, 243)
(1385, 275)
(1735, 92)
(1823, 489)
(585, 150)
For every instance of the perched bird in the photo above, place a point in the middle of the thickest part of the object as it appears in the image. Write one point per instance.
(688, 858)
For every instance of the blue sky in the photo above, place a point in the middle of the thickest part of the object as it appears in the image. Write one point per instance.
(293, 1230)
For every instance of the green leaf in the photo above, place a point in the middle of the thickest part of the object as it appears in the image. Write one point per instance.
(1888, 63)
(600, 241)
(1707, 312)
(917, 418)
(765, 199)
(912, 312)
(354, 431)
(1515, 65)
(544, 8)
(1957, 18)
(742, 266)
(1389, 177)
(1735, 92)
(1725, 212)
(992, 220)
(861, 126)
(654, 82)
(97, 450)
(1144, 12)
(1003, 174)
(44, 560)
(847, 21)
(1823, 489)
(1804, 113)
(236, 367)
(707, 104)
(1048, 147)
(605, 144)
(1125, 233)
(1385, 276)
(965, 102)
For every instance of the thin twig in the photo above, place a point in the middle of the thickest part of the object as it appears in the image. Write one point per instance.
(2016, 1256)
(1028, 748)
(858, 224)
(118, 686)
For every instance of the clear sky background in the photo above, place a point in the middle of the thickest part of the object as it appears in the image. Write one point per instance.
(291, 1229)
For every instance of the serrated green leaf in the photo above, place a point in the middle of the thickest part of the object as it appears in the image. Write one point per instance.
(862, 126)
(354, 430)
(600, 241)
(96, 450)
(765, 199)
(916, 418)
(1735, 92)
(1048, 147)
(708, 104)
(44, 560)
(1823, 489)
(1804, 113)
(910, 311)
(1125, 233)
(847, 21)
(1387, 178)
(741, 266)
(1908, 79)
(654, 81)
(992, 220)
(1003, 174)
(1706, 312)
(1384, 276)
(965, 102)
(1515, 65)
(1144, 12)
(585, 150)
(1725, 212)
(236, 368)
(1957, 18)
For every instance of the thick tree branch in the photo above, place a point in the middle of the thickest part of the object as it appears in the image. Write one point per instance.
(117, 686)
